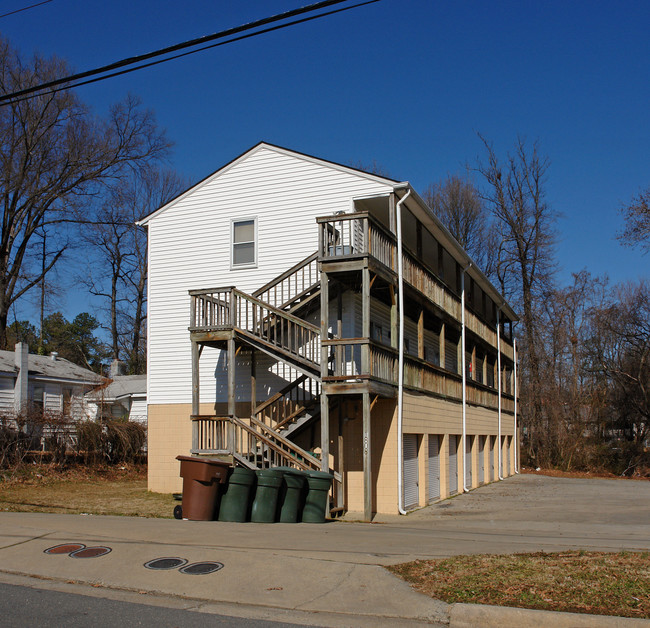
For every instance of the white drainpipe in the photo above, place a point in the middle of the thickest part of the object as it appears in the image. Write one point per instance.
(400, 366)
(516, 438)
(464, 367)
(499, 373)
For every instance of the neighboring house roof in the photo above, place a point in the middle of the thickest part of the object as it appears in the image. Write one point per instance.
(45, 366)
(120, 387)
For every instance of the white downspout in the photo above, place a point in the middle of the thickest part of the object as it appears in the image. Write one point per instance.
(516, 438)
(499, 373)
(400, 364)
(464, 367)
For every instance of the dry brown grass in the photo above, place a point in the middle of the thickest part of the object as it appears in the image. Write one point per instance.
(96, 491)
(578, 582)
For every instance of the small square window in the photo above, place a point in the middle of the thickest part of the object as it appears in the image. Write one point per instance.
(244, 245)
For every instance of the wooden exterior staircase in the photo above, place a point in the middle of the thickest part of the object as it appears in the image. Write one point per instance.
(266, 321)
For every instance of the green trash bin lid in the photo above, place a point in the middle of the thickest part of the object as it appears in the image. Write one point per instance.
(269, 477)
(319, 480)
(241, 475)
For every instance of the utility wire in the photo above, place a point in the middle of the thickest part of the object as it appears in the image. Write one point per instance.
(31, 6)
(15, 97)
(185, 54)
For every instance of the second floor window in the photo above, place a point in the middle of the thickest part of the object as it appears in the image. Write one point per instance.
(244, 245)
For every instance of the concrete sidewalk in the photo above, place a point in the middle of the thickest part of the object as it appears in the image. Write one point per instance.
(333, 574)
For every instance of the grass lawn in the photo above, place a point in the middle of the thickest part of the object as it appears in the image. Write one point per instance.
(103, 491)
(576, 582)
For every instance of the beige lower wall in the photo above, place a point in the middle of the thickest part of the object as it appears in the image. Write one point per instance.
(169, 435)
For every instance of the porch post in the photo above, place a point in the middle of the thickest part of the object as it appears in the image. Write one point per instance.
(231, 392)
(195, 378)
(367, 460)
(324, 356)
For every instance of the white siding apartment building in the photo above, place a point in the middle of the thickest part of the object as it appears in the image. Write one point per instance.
(292, 322)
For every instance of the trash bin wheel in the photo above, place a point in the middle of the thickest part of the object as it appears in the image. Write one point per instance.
(178, 512)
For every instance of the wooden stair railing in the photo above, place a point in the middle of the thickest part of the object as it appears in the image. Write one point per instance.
(293, 288)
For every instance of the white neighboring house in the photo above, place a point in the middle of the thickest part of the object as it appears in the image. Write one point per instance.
(50, 383)
(124, 397)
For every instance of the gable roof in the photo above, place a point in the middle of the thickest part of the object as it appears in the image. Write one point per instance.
(278, 149)
(121, 386)
(45, 366)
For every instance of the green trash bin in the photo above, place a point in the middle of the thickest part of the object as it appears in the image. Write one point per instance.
(292, 494)
(319, 484)
(235, 499)
(265, 503)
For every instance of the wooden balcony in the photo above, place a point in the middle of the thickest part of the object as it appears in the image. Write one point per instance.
(360, 364)
(348, 237)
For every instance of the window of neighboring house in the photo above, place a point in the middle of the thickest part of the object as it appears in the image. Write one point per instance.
(244, 243)
(67, 400)
(38, 398)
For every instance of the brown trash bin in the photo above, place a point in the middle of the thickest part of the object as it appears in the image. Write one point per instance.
(201, 479)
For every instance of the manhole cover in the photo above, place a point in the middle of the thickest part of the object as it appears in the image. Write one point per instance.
(200, 569)
(165, 563)
(64, 548)
(91, 552)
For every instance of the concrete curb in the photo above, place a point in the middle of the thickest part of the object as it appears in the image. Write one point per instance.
(473, 615)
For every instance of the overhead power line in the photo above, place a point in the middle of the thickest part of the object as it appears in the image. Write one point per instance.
(31, 6)
(74, 80)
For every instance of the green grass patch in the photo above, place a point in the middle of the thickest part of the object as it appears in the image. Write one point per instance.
(97, 491)
(576, 582)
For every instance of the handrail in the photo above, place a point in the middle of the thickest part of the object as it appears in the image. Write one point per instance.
(292, 284)
(230, 308)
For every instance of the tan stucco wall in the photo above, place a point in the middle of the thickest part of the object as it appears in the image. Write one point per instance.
(169, 435)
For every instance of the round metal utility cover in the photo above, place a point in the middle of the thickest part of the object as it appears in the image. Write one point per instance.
(165, 563)
(64, 548)
(201, 569)
(91, 552)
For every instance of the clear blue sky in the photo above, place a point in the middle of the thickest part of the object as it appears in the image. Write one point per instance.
(406, 83)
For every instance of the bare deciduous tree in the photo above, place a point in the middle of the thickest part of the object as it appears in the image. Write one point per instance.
(525, 225)
(637, 222)
(118, 268)
(55, 157)
(459, 206)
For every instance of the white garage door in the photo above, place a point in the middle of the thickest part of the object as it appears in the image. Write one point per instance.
(410, 470)
(434, 467)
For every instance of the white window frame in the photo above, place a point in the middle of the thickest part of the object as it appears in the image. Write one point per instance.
(233, 222)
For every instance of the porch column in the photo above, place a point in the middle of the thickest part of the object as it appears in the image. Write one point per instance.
(195, 378)
(231, 392)
(324, 357)
(367, 460)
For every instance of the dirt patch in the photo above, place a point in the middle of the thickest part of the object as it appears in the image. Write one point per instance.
(557, 473)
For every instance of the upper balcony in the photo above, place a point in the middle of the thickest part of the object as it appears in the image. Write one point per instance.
(345, 238)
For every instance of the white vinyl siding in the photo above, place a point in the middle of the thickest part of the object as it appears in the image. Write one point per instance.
(138, 411)
(189, 248)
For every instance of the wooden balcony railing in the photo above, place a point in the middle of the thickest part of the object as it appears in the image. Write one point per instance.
(357, 234)
(359, 359)
(229, 308)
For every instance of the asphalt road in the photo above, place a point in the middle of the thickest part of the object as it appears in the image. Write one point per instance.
(24, 606)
